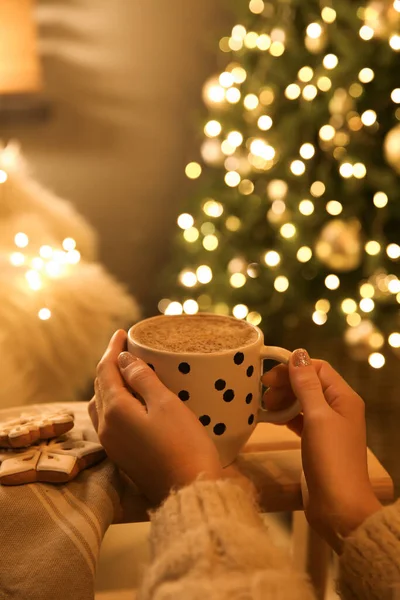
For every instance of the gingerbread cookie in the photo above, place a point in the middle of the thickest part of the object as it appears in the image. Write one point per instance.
(28, 429)
(54, 461)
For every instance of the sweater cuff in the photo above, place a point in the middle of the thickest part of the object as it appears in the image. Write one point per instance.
(198, 504)
(370, 563)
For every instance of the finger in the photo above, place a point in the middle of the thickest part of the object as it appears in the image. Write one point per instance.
(142, 379)
(296, 425)
(92, 410)
(278, 398)
(108, 373)
(276, 377)
(305, 383)
(333, 384)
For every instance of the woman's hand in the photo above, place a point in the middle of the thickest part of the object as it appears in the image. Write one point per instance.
(157, 441)
(338, 495)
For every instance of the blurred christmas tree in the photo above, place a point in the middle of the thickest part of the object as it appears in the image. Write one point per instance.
(297, 212)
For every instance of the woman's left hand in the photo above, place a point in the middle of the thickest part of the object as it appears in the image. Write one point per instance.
(158, 442)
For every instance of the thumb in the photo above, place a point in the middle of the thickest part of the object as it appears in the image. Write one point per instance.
(140, 377)
(305, 382)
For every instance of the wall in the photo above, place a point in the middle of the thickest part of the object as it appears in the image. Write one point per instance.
(124, 78)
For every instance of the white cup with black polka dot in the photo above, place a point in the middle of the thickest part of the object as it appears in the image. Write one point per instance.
(222, 386)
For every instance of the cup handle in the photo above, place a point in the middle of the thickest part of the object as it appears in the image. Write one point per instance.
(287, 414)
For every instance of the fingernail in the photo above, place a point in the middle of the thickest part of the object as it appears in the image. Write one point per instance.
(301, 358)
(125, 359)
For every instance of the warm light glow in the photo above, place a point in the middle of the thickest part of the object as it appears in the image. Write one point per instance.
(191, 234)
(239, 31)
(68, 244)
(327, 133)
(372, 248)
(304, 254)
(185, 221)
(44, 314)
(356, 90)
(380, 199)
(233, 223)
(367, 305)
(278, 207)
(212, 209)
(174, 308)
(73, 257)
(254, 318)
(277, 49)
(21, 240)
(210, 242)
(305, 74)
(237, 280)
(309, 92)
(346, 170)
(349, 306)
(281, 283)
(233, 95)
(3, 176)
(307, 151)
(376, 360)
(226, 79)
(323, 305)
(234, 138)
(306, 207)
(368, 117)
(263, 42)
(190, 307)
(240, 311)
(314, 30)
(264, 122)
(292, 91)
(250, 40)
(34, 280)
(193, 170)
(333, 207)
(332, 282)
(366, 33)
(394, 42)
(330, 61)
(354, 319)
(288, 230)
(394, 286)
(260, 148)
(393, 251)
(366, 75)
(232, 178)
(256, 6)
(188, 278)
(328, 14)
(359, 170)
(272, 258)
(246, 187)
(395, 96)
(37, 263)
(17, 259)
(297, 167)
(212, 128)
(319, 317)
(251, 101)
(239, 74)
(204, 274)
(367, 290)
(394, 340)
(317, 189)
(324, 84)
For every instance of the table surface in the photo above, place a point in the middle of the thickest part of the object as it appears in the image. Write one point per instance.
(271, 459)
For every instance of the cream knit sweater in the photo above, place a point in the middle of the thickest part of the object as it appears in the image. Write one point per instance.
(208, 542)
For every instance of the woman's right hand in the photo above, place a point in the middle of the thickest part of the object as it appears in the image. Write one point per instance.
(338, 495)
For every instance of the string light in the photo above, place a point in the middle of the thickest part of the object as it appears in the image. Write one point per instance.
(272, 258)
(288, 230)
(233, 223)
(264, 122)
(394, 286)
(251, 102)
(277, 49)
(232, 178)
(190, 307)
(188, 278)
(21, 240)
(193, 170)
(333, 207)
(366, 33)
(394, 42)
(185, 221)
(68, 244)
(317, 189)
(281, 283)
(254, 318)
(393, 251)
(376, 360)
(330, 61)
(3, 176)
(246, 187)
(212, 128)
(250, 40)
(332, 282)
(304, 254)
(309, 92)
(233, 95)
(327, 133)
(174, 308)
(346, 170)
(297, 167)
(380, 199)
(394, 340)
(324, 83)
(212, 208)
(349, 306)
(307, 151)
(237, 280)
(353, 319)
(366, 75)
(368, 117)
(204, 274)
(359, 170)
(240, 311)
(367, 305)
(367, 290)
(395, 96)
(17, 259)
(306, 207)
(305, 74)
(292, 91)
(314, 30)
(263, 42)
(210, 242)
(319, 317)
(328, 14)
(372, 248)
(239, 74)
(191, 234)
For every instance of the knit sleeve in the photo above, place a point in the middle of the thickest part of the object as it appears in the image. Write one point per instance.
(209, 542)
(370, 563)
